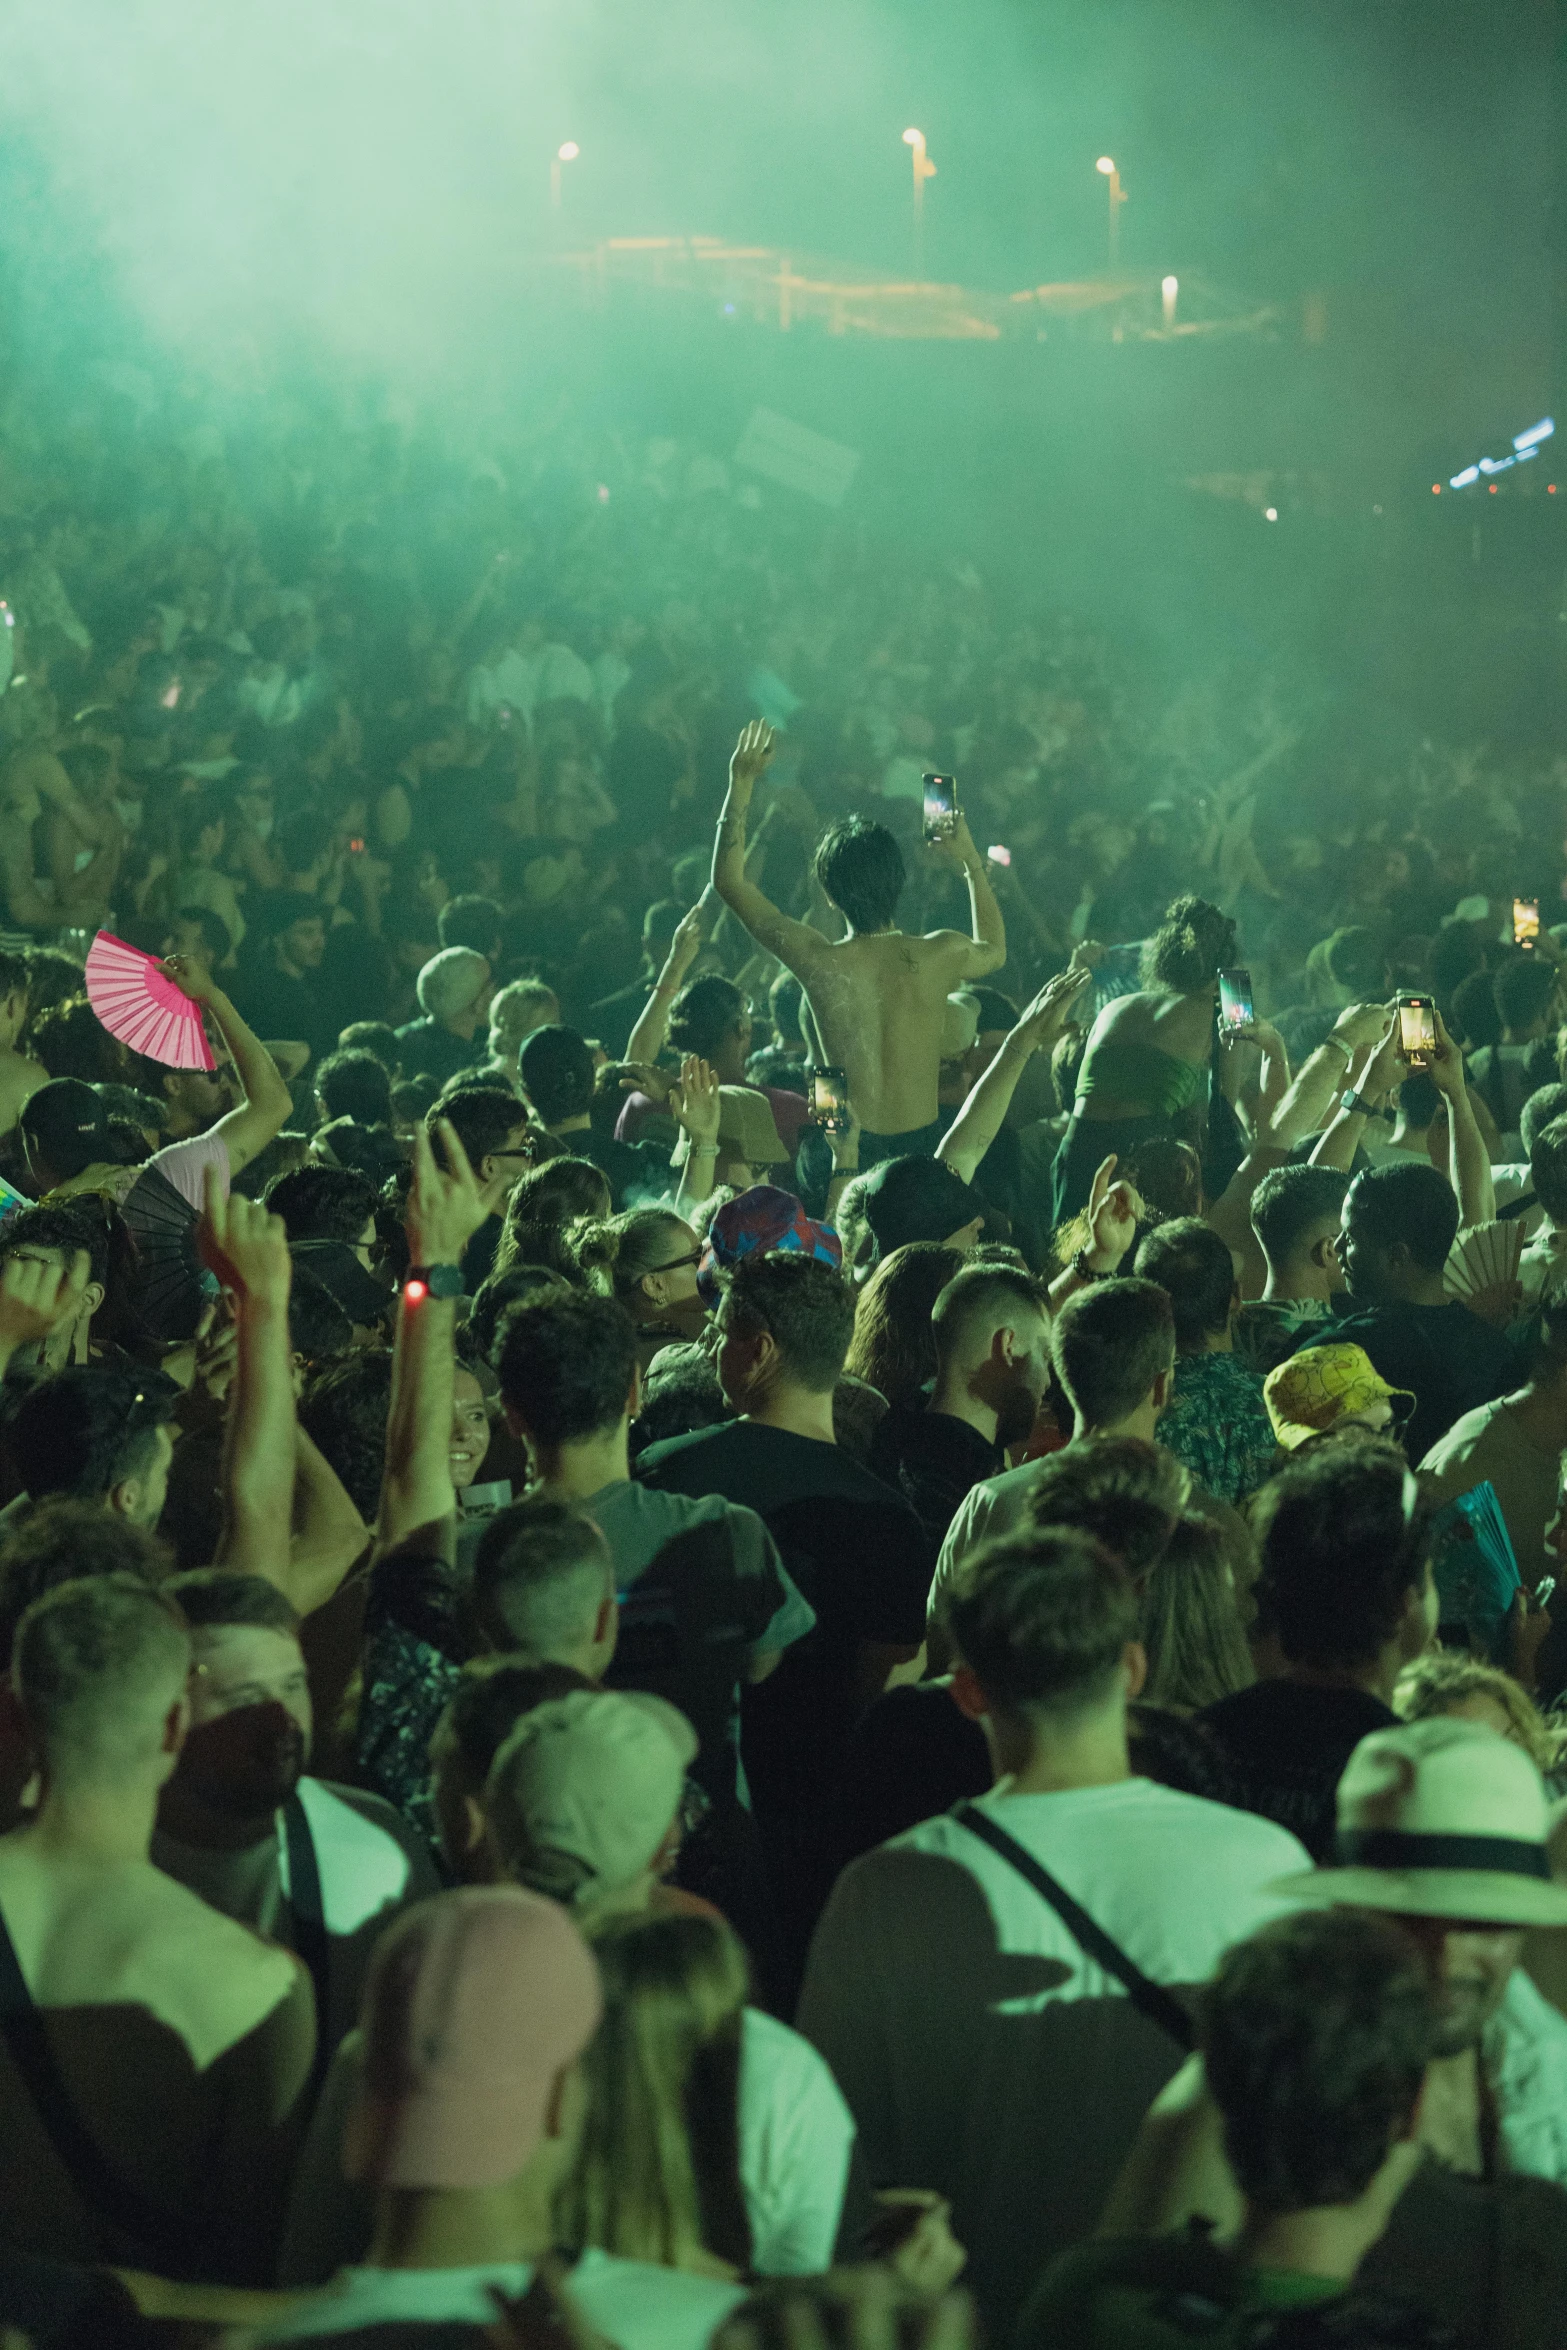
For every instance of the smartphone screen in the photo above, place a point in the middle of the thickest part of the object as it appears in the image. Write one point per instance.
(1416, 1027)
(941, 806)
(829, 1094)
(1526, 921)
(1237, 1012)
(998, 855)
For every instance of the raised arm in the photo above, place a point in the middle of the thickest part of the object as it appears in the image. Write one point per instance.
(985, 1106)
(247, 1130)
(1368, 1084)
(1326, 1072)
(1468, 1160)
(646, 1040)
(248, 1250)
(794, 943)
(986, 947)
(446, 1206)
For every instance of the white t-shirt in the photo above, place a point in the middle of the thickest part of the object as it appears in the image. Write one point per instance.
(796, 2135)
(983, 2054)
(636, 2306)
(995, 1506)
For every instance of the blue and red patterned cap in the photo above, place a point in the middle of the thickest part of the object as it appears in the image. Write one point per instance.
(758, 1222)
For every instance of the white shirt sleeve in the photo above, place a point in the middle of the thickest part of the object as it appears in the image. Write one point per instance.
(796, 2134)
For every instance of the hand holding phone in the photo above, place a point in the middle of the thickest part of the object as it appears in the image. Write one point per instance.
(1526, 922)
(940, 794)
(829, 1100)
(1237, 1011)
(1417, 1029)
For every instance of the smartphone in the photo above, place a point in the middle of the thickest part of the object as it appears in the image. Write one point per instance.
(1526, 921)
(1416, 1028)
(941, 806)
(999, 856)
(1237, 1012)
(829, 1100)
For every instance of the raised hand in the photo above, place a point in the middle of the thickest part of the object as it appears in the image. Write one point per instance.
(750, 759)
(1112, 1216)
(446, 1205)
(35, 1298)
(191, 976)
(1044, 1019)
(1444, 1064)
(686, 943)
(245, 1246)
(694, 1099)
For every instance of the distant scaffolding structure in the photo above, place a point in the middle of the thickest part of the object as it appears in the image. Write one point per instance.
(790, 291)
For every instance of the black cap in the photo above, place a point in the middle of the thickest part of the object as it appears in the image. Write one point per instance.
(335, 1266)
(916, 1199)
(68, 1124)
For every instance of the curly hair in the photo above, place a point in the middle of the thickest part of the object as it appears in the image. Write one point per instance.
(544, 1204)
(1192, 944)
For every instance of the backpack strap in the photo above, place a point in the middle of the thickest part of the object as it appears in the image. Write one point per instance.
(1158, 2005)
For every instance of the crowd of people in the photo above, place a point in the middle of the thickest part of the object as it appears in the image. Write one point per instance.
(753, 1594)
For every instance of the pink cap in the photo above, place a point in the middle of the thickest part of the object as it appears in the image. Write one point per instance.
(476, 2002)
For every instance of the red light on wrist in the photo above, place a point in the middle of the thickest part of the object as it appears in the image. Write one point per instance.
(415, 1292)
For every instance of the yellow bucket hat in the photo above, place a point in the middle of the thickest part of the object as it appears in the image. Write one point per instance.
(1320, 1386)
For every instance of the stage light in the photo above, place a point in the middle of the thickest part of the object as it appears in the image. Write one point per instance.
(914, 138)
(1270, 514)
(570, 151)
(1536, 432)
(1436, 489)
(1461, 481)
(1106, 164)
(1170, 287)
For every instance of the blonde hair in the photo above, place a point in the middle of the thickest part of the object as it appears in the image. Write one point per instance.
(1192, 1631)
(515, 1011)
(1440, 1683)
(657, 2175)
(615, 1254)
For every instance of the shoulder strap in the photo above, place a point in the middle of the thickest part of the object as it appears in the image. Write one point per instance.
(1157, 2004)
(310, 1934)
(103, 2193)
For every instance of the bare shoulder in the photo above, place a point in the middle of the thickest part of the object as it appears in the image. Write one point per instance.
(222, 1974)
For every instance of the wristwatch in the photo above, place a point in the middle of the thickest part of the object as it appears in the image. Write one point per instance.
(1358, 1106)
(440, 1280)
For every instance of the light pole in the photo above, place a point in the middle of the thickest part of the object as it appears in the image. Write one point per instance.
(1106, 165)
(924, 169)
(566, 153)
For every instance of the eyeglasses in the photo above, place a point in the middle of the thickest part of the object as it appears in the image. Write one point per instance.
(675, 1263)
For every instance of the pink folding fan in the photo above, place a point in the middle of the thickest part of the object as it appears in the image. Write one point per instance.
(139, 1003)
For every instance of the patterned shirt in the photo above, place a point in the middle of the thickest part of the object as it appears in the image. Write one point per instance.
(1217, 1425)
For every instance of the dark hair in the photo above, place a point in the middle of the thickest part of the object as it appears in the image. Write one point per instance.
(64, 1541)
(784, 999)
(539, 1566)
(485, 1117)
(1316, 2035)
(1358, 964)
(1411, 1204)
(894, 1345)
(979, 1291)
(1129, 1495)
(469, 922)
(806, 1305)
(354, 1084)
(318, 1327)
(1419, 1097)
(557, 1073)
(545, 1202)
(1291, 1202)
(1476, 1020)
(1042, 1619)
(1544, 1106)
(567, 1364)
(374, 1037)
(14, 973)
(65, 1226)
(1548, 1169)
(995, 1009)
(1524, 987)
(704, 1013)
(84, 1430)
(494, 1298)
(1189, 1260)
(489, 1701)
(300, 839)
(1190, 947)
(1110, 1343)
(343, 1412)
(1340, 1553)
(71, 1041)
(321, 1203)
(195, 814)
(679, 1400)
(860, 866)
(215, 935)
(213, 1598)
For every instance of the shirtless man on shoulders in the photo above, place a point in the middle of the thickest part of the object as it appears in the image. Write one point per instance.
(20, 1076)
(180, 2042)
(876, 995)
